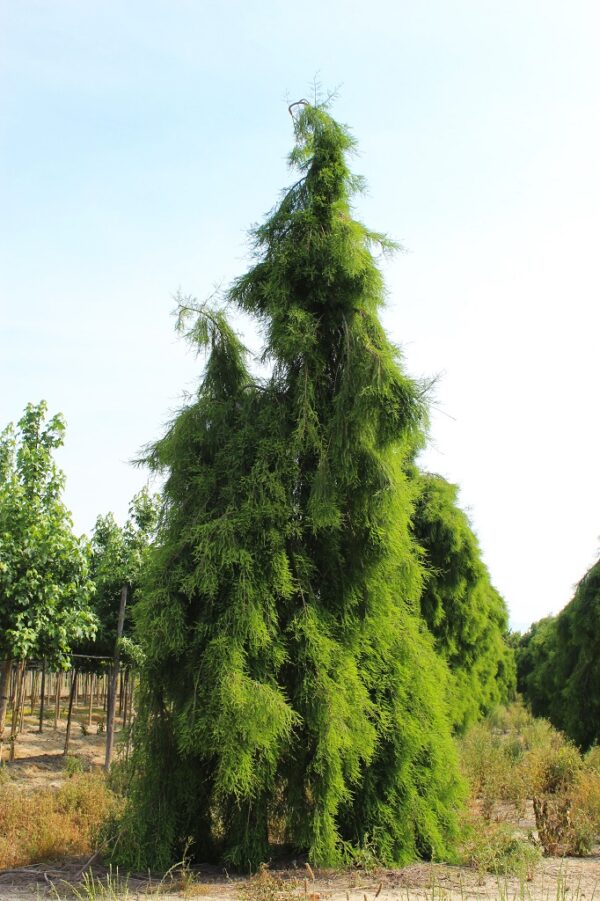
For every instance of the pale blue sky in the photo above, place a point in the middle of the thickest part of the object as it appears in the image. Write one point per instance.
(139, 140)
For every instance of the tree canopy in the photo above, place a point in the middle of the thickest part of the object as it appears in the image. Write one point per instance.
(118, 554)
(558, 662)
(44, 568)
(465, 613)
(291, 688)
(45, 587)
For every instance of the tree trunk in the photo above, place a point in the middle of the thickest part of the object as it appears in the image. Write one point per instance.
(16, 708)
(131, 697)
(125, 691)
(5, 682)
(42, 697)
(72, 696)
(120, 693)
(5, 673)
(91, 707)
(35, 679)
(57, 704)
(112, 698)
(23, 698)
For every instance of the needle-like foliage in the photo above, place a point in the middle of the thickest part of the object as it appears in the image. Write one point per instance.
(559, 664)
(291, 690)
(463, 610)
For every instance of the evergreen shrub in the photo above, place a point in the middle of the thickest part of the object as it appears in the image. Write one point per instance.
(290, 688)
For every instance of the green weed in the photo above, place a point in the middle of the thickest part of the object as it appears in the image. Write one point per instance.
(500, 849)
(112, 888)
(73, 765)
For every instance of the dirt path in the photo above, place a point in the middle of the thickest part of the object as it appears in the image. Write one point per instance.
(40, 762)
(556, 880)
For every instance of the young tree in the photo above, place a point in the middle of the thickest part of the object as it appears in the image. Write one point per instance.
(117, 559)
(289, 678)
(44, 581)
(464, 612)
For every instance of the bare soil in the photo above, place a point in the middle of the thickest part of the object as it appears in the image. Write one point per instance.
(39, 757)
(40, 762)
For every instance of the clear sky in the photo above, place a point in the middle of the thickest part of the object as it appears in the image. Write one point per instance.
(140, 140)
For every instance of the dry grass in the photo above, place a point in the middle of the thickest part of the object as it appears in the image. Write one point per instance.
(268, 886)
(511, 759)
(49, 823)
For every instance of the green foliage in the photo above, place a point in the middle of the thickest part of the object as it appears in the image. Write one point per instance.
(535, 666)
(118, 555)
(493, 762)
(501, 757)
(73, 765)
(464, 612)
(289, 678)
(500, 849)
(559, 664)
(44, 569)
(112, 887)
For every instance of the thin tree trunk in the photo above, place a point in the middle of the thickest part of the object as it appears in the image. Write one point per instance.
(57, 703)
(16, 709)
(5, 674)
(72, 697)
(120, 693)
(110, 717)
(35, 678)
(5, 683)
(42, 697)
(127, 710)
(125, 698)
(91, 707)
(131, 697)
(23, 698)
(14, 678)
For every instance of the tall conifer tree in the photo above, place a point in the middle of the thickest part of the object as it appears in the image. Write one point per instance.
(291, 687)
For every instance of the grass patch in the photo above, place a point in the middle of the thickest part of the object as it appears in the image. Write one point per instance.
(49, 823)
(500, 849)
(268, 886)
(512, 758)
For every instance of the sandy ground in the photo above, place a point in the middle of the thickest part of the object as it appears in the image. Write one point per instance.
(555, 880)
(40, 762)
(39, 758)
